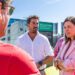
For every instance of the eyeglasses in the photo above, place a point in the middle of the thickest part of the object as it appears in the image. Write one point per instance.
(11, 10)
(5, 5)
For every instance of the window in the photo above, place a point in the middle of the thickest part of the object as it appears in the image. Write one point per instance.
(21, 29)
(9, 31)
(9, 38)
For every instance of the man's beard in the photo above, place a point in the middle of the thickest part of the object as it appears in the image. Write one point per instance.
(35, 30)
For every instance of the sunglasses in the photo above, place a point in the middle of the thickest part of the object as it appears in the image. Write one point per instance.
(5, 5)
(11, 10)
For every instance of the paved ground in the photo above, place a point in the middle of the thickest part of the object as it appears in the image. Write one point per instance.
(52, 71)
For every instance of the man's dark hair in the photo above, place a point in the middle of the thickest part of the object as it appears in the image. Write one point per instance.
(32, 17)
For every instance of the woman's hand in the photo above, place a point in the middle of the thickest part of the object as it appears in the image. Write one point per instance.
(58, 64)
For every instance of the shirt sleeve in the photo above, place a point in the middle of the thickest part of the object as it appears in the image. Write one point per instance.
(48, 48)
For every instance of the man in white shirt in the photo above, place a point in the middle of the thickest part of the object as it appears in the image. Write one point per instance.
(36, 44)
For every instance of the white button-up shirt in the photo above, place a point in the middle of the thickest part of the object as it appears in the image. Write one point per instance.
(39, 48)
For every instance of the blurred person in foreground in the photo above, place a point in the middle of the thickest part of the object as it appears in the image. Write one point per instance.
(36, 44)
(65, 59)
(13, 60)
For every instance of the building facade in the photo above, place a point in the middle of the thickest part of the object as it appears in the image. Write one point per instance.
(16, 27)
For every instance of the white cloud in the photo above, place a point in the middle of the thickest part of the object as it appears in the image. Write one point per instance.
(51, 1)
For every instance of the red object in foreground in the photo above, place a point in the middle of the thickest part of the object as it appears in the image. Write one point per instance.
(14, 61)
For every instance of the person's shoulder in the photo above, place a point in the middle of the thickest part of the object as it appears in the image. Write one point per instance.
(22, 36)
(6, 45)
(15, 51)
(62, 39)
(42, 36)
(7, 49)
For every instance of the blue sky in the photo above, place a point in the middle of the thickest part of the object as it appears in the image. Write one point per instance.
(47, 10)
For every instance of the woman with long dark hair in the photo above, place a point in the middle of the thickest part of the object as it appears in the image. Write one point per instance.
(65, 60)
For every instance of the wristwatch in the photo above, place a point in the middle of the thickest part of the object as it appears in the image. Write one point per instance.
(42, 67)
(40, 63)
